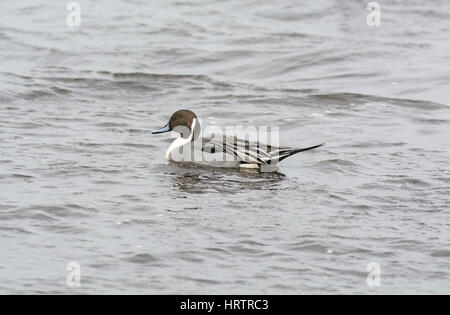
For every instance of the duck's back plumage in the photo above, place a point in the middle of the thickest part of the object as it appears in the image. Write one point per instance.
(249, 152)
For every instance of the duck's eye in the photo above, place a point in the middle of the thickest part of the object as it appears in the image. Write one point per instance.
(175, 118)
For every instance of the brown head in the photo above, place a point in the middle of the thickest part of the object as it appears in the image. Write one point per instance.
(182, 122)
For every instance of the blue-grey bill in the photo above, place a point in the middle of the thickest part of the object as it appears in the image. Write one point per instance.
(163, 129)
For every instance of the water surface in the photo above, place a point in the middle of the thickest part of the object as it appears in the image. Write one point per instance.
(83, 180)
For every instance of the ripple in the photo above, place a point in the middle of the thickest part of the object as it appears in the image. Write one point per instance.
(441, 253)
(142, 259)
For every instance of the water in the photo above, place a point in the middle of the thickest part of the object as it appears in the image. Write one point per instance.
(83, 180)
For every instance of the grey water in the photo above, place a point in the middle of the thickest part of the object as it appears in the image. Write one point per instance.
(83, 180)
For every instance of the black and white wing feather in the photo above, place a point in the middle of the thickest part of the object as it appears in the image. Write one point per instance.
(249, 152)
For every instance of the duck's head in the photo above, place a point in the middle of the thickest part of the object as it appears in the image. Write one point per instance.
(184, 122)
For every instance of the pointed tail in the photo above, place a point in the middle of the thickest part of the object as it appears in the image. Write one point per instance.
(295, 151)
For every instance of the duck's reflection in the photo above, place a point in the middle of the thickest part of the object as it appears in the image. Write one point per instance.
(199, 180)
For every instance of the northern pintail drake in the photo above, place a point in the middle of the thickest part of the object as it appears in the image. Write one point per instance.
(218, 150)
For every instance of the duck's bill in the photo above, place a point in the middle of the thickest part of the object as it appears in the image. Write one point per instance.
(166, 128)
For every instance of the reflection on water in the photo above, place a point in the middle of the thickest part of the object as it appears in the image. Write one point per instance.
(201, 180)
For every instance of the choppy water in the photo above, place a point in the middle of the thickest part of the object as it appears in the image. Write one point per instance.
(82, 180)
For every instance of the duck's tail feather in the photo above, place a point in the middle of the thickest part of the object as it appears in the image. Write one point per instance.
(295, 151)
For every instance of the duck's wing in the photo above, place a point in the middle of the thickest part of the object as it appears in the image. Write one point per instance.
(249, 152)
(244, 150)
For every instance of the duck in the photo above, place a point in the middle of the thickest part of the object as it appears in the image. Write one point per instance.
(219, 150)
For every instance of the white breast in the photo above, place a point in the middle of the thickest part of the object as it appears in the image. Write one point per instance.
(179, 142)
(175, 145)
